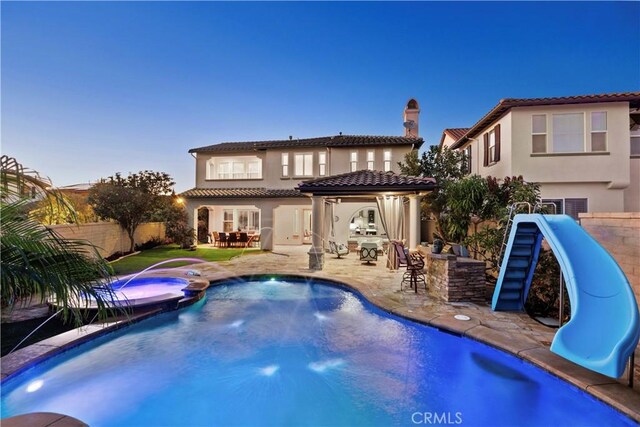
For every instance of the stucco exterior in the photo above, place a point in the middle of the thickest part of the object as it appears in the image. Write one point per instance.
(284, 220)
(607, 179)
(632, 192)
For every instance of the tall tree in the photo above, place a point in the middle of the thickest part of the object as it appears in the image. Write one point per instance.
(37, 262)
(445, 166)
(131, 201)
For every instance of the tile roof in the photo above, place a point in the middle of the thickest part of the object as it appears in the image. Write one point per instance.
(324, 141)
(456, 133)
(240, 193)
(364, 181)
(507, 103)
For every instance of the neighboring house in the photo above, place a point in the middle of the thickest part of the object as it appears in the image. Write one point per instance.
(584, 151)
(252, 186)
(82, 188)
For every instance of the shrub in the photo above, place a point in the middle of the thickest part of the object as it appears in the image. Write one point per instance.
(544, 293)
(177, 226)
(150, 244)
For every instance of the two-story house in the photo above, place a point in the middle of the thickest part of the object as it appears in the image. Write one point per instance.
(252, 186)
(584, 151)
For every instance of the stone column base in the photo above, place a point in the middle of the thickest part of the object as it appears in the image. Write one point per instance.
(316, 259)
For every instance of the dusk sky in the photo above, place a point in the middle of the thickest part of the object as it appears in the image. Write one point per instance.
(90, 89)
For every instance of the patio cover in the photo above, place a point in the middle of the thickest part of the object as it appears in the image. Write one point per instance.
(387, 188)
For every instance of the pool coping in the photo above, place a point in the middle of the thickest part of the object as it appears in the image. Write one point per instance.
(608, 390)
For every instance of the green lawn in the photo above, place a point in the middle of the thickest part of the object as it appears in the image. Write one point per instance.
(144, 259)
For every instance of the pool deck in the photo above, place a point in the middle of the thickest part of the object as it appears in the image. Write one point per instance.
(515, 333)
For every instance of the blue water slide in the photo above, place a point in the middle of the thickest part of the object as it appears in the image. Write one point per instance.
(604, 328)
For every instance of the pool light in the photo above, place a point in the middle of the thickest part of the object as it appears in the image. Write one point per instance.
(268, 371)
(34, 386)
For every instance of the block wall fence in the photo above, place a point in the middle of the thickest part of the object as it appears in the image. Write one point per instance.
(619, 233)
(109, 237)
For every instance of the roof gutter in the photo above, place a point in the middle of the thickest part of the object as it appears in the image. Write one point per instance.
(504, 104)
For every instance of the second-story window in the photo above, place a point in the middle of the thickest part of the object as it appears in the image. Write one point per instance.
(224, 171)
(492, 146)
(539, 133)
(568, 133)
(354, 161)
(371, 156)
(238, 170)
(303, 164)
(285, 164)
(387, 160)
(599, 131)
(238, 167)
(322, 163)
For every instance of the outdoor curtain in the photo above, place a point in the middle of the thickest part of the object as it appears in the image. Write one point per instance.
(391, 210)
(328, 232)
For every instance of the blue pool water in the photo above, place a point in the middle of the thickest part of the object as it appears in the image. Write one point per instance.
(295, 353)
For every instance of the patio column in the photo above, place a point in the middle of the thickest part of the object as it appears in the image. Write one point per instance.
(194, 220)
(316, 253)
(414, 220)
(211, 225)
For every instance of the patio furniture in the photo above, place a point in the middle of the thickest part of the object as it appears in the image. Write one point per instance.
(216, 238)
(415, 267)
(244, 240)
(232, 239)
(368, 252)
(338, 250)
(223, 240)
(254, 240)
(401, 258)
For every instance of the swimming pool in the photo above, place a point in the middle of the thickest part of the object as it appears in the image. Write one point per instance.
(292, 352)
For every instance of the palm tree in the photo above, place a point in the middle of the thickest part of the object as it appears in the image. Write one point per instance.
(35, 261)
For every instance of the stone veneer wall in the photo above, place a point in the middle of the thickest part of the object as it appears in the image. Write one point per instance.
(619, 233)
(455, 279)
(109, 237)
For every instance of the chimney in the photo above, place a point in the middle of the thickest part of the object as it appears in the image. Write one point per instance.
(411, 113)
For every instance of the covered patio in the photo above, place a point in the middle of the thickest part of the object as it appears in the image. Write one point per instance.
(397, 198)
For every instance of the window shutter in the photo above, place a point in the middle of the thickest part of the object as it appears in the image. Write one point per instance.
(486, 149)
(497, 132)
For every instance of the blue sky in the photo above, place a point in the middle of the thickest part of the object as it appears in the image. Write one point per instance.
(90, 89)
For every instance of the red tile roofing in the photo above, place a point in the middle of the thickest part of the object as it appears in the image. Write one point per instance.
(366, 181)
(456, 133)
(239, 193)
(324, 141)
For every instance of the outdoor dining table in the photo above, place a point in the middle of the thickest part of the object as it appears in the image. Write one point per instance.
(252, 238)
